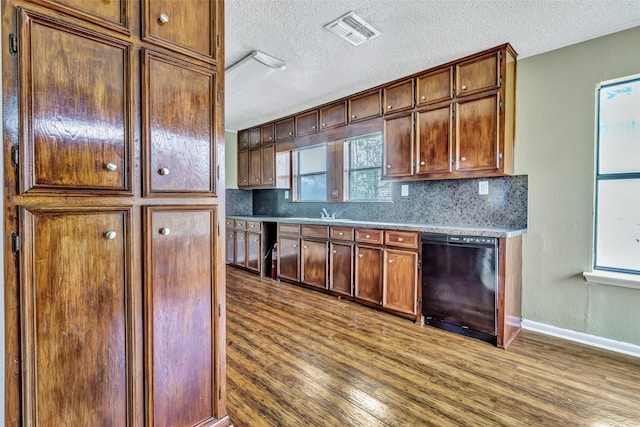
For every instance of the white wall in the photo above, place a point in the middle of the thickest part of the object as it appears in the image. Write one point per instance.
(555, 115)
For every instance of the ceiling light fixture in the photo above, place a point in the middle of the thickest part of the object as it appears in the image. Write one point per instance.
(353, 29)
(249, 71)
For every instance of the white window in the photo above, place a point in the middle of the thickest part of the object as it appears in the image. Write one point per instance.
(617, 225)
(310, 174)
(363, 170)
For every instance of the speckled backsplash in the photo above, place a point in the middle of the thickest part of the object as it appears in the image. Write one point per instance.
(452, 202)
(239, 202)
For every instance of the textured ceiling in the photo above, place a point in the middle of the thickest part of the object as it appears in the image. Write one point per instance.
(416, 35)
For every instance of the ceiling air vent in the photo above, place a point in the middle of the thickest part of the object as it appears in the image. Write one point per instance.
(353, 29)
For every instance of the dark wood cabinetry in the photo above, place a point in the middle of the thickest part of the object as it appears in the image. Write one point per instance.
(114, 294)
(433, 140)
(289, 251)
(341, 268)
(478, 74)
(365, 107)
(314, 262)
(434, 87)
(255, 167)
(398, 97)
(266, 134)
(333, 116)
(268, 165)
(398, 146)
(368, 273)
(243, 169)
(284, 129)
(255, 136)
(476, 133)
(307, 123)
(244, 240)
(243, 140)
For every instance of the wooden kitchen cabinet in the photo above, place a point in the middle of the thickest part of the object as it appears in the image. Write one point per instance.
(307, 123)
(284, 129)
(341, 268)
(243, 169)
(400, 281)
(364, 107)
(255, 167)
(255, 136)
(434, 141)
(240, 238)
(230, 242)
(266, 134)
(478, 74)
(476, 141)
(398, 97)
(190, 28)
(254, 252)
(314, 262)
(434, 87)
(134, 332)
(289, 251)
(398, 146)
(268, 165)
(368, 274)
(333, 116)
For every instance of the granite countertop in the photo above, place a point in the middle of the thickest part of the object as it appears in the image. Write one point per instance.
(423, 228)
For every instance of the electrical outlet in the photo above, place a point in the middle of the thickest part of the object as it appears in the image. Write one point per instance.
(404, 190)
(286, 194)
(483, 188)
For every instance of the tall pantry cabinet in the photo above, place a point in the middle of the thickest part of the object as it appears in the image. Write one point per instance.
(113, 198)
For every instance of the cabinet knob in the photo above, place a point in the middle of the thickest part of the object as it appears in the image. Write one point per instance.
(367, 236)
(334, 251)
(421, 163)
(340, 233)
(257, 141)
(257, 179)
(270, 179)
(313, 127)
(388, 166)
(270, 138)
(463, 158)
(390, 261)
(163, 18)
(111, 166)
(305, 246)
(295, 246)
(353, 117)
(165, 231)
(244, 180)
(324, 124)
(110, 234)
(389, 107)
(360, 255)
(423, 97)
(163, 171)
(463, 87)
(290, 133)
(400, 239)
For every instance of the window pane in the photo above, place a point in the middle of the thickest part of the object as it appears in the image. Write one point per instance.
(619, 128)
(366, 152)
(312, 188)
(367, 185)
(312, 160)
(618, 226)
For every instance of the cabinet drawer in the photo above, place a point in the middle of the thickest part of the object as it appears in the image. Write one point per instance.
(321, 231)
(229, 223)
(254, 226)
(403, 239)
(291, 229)
(341, 233)
(367, 235)
(240, 224)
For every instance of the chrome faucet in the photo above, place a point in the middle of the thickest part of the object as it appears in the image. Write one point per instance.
(324, 213)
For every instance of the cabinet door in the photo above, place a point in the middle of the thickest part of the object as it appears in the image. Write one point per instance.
(341, 268)
(266, 134)
(77, 132)
(255, 160)
(434, 87)
(398, 146)
(284, 129)
(254, 137)
(433, 141)
(254, 251)
(398, 97)
(241, 248)
(185, 26)
(243, 140)
(288, 257)
(478, 75)
(333, 116)
(243, 168)
(477, 134)
(77, 305)
(314, 263)
(368, 283)
(181, 306)
(307, 123)
(179, 129)
(400, 284)
(230, 246)
(110, 14)
(268, 163)
(364, 107)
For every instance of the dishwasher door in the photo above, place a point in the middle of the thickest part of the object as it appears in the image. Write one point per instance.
(459, 284)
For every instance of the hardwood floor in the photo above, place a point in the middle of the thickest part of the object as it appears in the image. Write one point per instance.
(296, 357)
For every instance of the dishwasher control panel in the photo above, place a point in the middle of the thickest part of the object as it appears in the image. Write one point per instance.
(472, 239)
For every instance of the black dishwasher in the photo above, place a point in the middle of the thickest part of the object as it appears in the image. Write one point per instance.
(459, 284)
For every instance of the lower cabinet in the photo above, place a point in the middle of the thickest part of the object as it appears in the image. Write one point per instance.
(314, 262)
(289, 252)
(244, 244)
(368, 280)
(400, 282)
(253, 251)
(341, 268)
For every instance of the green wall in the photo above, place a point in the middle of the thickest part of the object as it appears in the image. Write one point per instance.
(555, 125)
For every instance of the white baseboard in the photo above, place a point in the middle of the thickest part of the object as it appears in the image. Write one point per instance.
(592, 340)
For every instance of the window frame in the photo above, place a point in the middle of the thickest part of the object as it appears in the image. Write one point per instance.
(296, 173)
(346, 176)
(608, 272)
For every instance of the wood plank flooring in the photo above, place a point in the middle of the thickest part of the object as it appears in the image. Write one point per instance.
(296, 357)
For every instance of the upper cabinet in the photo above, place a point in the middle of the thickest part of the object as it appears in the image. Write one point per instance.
(364, 107)
(255, 136)
(171, 24)
(478, 74)
(243, 140)
(284, 129)
(398, 97)
(307, 123)
(434, 87)
(333, 116)
(266, 134)
(110, 14)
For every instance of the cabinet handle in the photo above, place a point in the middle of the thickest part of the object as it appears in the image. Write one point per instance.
(400, 239)
(110, 235)
(353, 117)
(163, 18)
(464, 87)
(165, 231)
(463, 158)
(111, 166)
(163, 171)
(421, 163)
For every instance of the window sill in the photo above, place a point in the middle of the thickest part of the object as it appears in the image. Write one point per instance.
(614, 279)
